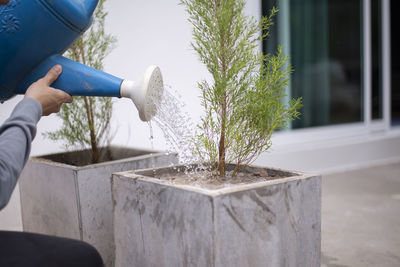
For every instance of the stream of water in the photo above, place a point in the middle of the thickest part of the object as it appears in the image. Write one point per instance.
(151, 137)
(176, 125)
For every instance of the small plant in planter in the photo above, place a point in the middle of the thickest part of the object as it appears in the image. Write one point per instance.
(265, 217)
(243, 103)
(69, 194)
(87, 121)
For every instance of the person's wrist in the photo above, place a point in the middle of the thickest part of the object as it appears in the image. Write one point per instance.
(38, 106)
(33, 97)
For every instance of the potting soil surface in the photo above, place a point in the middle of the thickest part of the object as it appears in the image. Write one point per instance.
(209, 180)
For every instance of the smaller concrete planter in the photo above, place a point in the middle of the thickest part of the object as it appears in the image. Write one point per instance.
(269, 223)
(75, 202)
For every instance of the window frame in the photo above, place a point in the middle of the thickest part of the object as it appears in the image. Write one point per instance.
(357, 131)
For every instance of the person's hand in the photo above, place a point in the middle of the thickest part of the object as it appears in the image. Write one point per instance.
(50, 98)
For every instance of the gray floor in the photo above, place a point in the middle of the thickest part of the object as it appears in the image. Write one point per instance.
(360, 217)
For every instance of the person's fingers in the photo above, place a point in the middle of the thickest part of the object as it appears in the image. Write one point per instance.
(52, 75)
(70, 99)
(4, 2)
(64, 97)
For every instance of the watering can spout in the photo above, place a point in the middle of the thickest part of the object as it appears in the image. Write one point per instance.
(146, 94)
(80, 80)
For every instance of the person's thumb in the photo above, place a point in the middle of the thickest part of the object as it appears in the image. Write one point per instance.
(52, 75)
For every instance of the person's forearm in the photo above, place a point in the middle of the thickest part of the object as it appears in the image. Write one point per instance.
(16, 135)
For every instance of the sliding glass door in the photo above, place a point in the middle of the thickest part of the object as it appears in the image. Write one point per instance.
(395, 64)
(324, 41)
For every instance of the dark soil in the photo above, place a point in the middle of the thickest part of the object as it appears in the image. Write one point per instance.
(193, 175)
(83, 157)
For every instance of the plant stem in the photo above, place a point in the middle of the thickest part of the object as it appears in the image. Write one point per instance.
(90, 115)
(222, 148)
(93, 142)
(221, 162)
(236, 170)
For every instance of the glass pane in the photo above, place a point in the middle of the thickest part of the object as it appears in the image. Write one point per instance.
(395, 53)
(271, 44)
(376, 59)
(325, 50)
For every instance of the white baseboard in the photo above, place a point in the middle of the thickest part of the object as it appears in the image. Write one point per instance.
(334, 155)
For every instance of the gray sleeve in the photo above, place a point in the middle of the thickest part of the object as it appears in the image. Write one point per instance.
(16, 135)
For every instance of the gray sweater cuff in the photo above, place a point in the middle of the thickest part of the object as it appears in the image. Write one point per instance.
(28, 108)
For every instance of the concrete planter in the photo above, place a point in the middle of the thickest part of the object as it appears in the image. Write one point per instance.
(75, 202)
(270, 223)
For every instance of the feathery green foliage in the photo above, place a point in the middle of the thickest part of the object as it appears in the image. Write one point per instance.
(86, 121)
(243, 103)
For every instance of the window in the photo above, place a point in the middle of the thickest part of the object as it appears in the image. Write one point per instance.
(324, 41)
(376, 43)
(395, 94)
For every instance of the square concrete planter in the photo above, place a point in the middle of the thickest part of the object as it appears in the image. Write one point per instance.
(69, 201)
(269, 223)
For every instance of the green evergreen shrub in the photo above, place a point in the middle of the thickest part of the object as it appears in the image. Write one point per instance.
(243, 102)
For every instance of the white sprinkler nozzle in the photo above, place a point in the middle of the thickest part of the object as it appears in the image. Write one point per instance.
(147, 94)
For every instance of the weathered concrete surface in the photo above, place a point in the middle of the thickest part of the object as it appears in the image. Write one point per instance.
(76, 202)
(10, 216)
(361, 218)
(49, 203)
(273, 223)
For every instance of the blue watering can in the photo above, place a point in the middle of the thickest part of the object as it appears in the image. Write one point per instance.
(33, 36)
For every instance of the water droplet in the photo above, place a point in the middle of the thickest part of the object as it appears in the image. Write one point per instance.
(151, 138)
